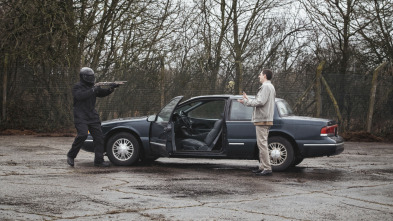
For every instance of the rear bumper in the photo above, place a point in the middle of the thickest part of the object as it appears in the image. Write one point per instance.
(328, 146)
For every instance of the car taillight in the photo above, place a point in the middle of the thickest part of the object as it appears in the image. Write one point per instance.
(329, 130)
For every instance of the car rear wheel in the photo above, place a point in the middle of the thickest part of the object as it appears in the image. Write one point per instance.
(281, 153)
(123, 149)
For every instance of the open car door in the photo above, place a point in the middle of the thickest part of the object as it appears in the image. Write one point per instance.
(161, 129)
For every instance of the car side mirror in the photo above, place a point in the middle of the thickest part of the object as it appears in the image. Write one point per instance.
(151, 118)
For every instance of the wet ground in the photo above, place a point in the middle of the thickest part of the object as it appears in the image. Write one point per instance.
(37, 184)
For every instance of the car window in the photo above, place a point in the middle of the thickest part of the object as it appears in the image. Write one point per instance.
(283, 108)
(239, 112)
(208, 110)
(166, 112)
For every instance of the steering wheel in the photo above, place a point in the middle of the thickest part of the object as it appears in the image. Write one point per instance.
(185, 120)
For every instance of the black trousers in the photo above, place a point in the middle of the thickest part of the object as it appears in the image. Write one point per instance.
(98, 140)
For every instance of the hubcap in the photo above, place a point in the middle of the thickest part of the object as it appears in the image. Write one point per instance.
(123, 149)
(278, 153)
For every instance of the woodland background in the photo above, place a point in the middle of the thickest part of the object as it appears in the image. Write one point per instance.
(331, 58)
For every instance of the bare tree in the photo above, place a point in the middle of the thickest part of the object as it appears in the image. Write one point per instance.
(335, 18)
(167, 48)
(134, 48)
(215, 21)
(376, 16)
(258, 35)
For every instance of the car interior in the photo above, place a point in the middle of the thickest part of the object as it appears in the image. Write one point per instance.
(199, 126)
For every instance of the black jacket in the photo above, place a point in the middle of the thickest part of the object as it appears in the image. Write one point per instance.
(85, 101)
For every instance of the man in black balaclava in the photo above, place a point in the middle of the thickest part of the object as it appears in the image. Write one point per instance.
(86, 117)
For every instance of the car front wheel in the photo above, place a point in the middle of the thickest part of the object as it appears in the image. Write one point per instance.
(123, 149)
(281, 153)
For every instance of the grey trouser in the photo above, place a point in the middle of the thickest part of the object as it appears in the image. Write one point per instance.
(264, 158)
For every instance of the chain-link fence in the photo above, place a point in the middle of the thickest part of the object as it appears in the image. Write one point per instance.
(47, 105)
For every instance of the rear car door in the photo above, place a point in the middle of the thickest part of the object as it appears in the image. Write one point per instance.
(161, 129)
(241, 131)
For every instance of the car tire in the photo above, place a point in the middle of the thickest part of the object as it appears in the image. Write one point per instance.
(297, 161)
(123, 149)
(281, 153)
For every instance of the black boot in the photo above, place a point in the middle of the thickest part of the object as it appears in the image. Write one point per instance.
(264, 173)
(102, 164)
(70, 161)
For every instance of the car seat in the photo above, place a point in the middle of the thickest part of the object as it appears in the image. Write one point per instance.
(208, 143)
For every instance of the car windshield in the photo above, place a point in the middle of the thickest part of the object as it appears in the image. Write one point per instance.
(283, 108)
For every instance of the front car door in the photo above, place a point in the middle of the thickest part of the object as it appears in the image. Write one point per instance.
(161, 129)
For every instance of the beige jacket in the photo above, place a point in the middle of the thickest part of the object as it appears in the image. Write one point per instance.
(263, 104)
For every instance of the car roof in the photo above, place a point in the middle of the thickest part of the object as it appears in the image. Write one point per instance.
(225, 96)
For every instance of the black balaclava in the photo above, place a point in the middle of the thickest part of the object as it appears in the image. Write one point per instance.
(87, 76)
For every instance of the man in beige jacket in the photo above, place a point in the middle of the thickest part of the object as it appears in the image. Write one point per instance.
(262, 118)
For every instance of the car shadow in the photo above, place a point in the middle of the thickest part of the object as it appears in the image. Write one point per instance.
(297, 172)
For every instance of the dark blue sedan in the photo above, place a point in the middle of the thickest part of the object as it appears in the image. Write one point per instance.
(217, 126)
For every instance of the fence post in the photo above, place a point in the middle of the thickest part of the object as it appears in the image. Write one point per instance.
(372, 96)
(334, 101)
(318, 98)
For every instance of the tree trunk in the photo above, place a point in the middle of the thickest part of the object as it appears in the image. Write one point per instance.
(162, 84)
(4, 111)
(237, 51)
